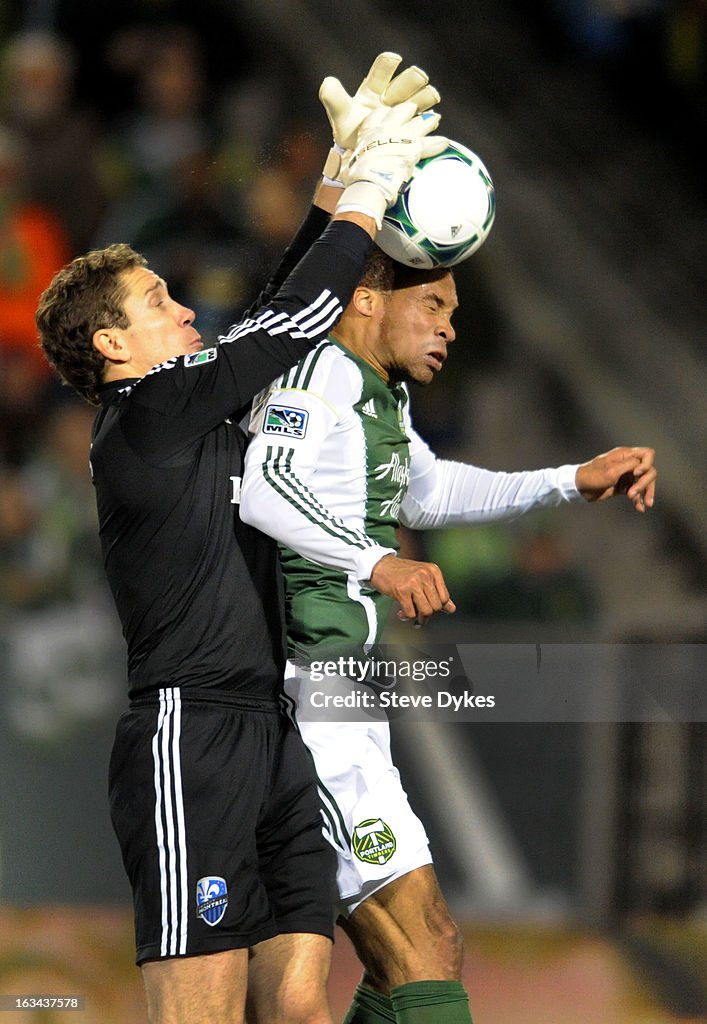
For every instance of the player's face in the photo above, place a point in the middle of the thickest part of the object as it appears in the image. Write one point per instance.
(416, 328)
(159, 328)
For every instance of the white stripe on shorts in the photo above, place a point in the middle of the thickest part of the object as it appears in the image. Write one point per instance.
(169, 824)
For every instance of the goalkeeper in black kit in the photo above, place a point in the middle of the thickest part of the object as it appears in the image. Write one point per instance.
(212, 793)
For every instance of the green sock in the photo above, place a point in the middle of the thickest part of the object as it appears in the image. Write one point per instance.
(370, 1007)
(431, 1002)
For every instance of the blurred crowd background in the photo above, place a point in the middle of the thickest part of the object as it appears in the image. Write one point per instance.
(193, 132)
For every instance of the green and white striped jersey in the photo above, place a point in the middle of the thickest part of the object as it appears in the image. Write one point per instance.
(333, 467)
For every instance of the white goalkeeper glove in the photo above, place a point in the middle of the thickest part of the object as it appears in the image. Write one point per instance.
(379, 88)
(391, 141)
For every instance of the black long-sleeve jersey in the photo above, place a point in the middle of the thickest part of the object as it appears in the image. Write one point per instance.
(197, 590)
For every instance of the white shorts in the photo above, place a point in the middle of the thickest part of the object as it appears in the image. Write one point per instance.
(367, 817)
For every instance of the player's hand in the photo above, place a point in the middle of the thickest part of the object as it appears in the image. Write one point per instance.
(379, 88)
(627, 471)
(391, 141)
(419, 587)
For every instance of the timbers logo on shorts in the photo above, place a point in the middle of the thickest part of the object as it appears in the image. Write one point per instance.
(373, 842)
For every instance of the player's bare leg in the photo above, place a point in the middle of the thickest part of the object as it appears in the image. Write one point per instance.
(197, 989)
(287, 979)
(405, 932)
(412, 954)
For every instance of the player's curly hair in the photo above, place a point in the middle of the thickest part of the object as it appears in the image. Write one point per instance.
(383, 274)
(83, 297)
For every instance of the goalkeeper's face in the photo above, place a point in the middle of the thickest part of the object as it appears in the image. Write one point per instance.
(159, 328)
(415, 327)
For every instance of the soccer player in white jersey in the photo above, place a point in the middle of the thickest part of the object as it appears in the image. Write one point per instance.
(334, 466)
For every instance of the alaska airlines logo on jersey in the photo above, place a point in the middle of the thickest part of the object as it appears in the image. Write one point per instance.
(373, 842)
(280, 419)
(207, 355)
(211, 899)
(391, 507)
(397, 470)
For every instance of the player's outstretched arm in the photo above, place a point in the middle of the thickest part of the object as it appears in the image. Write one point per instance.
(419, 587)
(629, 471)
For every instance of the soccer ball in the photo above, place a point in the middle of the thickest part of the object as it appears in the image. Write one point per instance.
(443, 214)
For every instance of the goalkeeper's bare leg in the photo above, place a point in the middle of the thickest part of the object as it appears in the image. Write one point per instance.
(283, 980)
(197, 989)
(287, 979)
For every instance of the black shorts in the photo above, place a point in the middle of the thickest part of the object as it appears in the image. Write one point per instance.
(216, 811)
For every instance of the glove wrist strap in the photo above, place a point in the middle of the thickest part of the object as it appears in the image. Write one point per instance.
(364, 197)
(332, 167)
